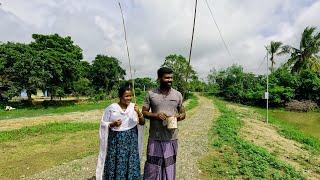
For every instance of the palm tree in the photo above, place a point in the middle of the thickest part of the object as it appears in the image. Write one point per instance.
(274, 48)
(307, 55)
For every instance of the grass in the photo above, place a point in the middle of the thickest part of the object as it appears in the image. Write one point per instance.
(291, 131)
(43, 129)
(34, 154)
(31, 112)
(140, 98)
(193, 102)
(231, 157)
(33, 149)
(87, 106)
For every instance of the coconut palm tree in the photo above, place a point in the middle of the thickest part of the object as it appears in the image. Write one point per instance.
(307, 55)
(274, 48)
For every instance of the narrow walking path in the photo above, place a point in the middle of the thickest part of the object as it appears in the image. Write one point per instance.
(193, 139)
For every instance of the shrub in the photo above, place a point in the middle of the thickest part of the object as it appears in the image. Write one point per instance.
(303, 106)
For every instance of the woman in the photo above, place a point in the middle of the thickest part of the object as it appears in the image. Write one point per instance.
(121, 135)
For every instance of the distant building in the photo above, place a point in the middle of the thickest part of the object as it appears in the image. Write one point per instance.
(40, 93)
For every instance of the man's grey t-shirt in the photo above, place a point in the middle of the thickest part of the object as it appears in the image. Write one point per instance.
(168, 104)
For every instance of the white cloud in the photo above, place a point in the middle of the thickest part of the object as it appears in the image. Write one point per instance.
(160, 27)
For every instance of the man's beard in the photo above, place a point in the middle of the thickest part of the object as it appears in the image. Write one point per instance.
(166, 85)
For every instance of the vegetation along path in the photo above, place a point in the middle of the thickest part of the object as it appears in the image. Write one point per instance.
(287, 150)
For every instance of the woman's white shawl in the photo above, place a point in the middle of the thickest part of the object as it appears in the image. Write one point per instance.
(103, 134)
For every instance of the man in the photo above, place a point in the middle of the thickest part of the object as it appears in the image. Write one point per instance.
(164, 102)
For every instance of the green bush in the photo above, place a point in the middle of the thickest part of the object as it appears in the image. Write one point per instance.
(284, 86)
(138, 91)
(99, 96)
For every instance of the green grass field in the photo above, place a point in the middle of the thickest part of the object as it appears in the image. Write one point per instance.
(30, 112)
(33, 149)
(43, 129)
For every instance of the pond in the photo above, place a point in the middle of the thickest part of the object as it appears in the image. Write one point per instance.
(307, 122)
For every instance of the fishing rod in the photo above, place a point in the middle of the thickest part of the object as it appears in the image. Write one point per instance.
(191, 44)
(128, 54)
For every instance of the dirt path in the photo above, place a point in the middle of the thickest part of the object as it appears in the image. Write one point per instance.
(286, 150)
(193, 143)
(193, 139)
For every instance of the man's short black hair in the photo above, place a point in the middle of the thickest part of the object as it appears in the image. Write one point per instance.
(123, 89)
(164, 70)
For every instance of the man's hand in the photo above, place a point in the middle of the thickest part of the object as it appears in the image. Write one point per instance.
(181, 115)
(116, 123)
(162, 116)
(156, 116)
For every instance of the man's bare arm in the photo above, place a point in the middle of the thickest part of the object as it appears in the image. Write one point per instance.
(158, 116)
(182, 114)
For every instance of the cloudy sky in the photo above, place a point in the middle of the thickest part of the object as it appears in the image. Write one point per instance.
(157, 28)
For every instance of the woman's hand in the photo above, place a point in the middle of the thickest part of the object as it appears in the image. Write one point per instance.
(116, 123)
(140, 115)
(136, 108)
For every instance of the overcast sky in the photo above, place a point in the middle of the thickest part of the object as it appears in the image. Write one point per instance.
(157, 28)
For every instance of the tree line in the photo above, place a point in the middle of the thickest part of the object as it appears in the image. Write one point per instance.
(296, 79)
(55, 64)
